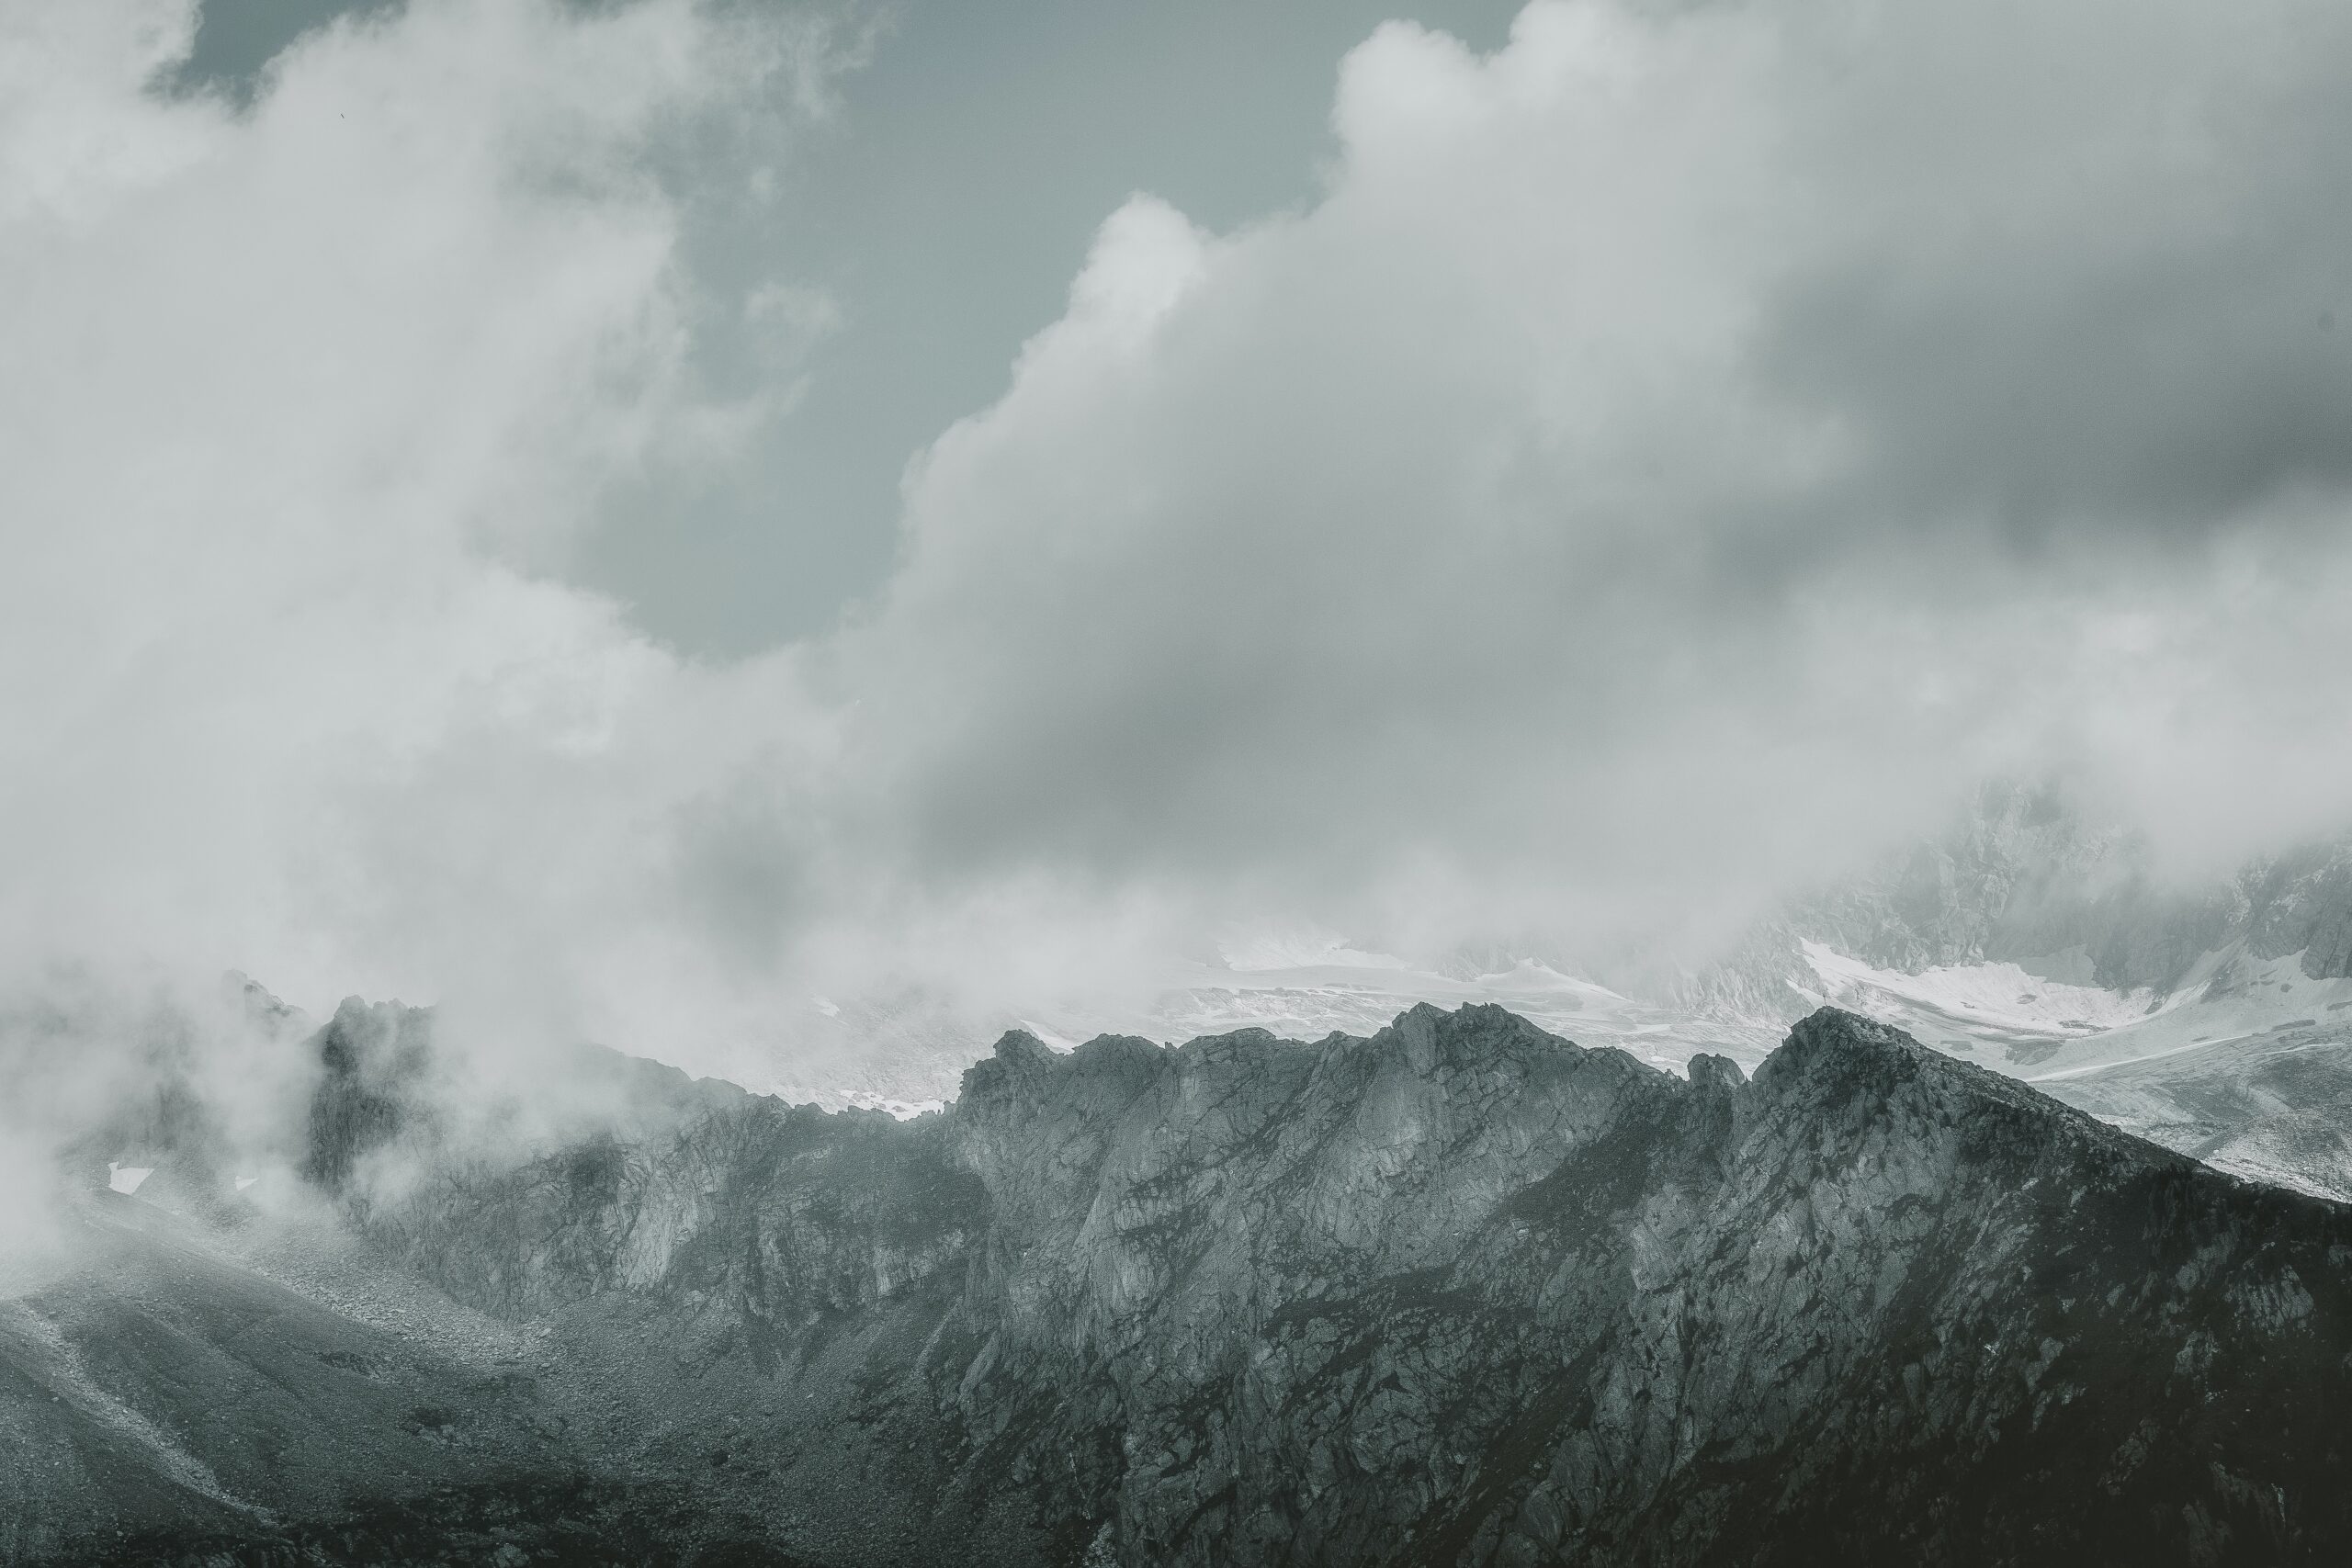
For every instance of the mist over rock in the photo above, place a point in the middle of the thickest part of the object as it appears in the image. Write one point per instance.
(372, 1064)
(2026, 875)
(1462, 1291)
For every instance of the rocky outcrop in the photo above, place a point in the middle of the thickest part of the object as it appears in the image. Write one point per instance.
(1459, 1293)
(2303, 903)
(371, 1062)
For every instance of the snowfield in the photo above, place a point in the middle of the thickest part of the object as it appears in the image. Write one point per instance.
(1998, 996)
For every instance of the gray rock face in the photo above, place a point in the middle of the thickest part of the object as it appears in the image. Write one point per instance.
(371, 1061)
(2303, 903)
(1461, 1292)
(2020, 874)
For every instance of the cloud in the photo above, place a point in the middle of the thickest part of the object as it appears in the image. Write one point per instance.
(1677, 452)
(316, 391)
(1680, 450)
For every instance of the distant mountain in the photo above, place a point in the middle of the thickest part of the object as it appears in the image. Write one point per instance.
(1458, 1292)
(2214, 1019)
(2024, 877)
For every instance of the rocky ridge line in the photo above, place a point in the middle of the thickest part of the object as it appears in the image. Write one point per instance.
(1459, 1292)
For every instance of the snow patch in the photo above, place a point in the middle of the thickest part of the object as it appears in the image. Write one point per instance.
(126, 1178)
(1997, 996)
(2228, 999)
(903, 1109)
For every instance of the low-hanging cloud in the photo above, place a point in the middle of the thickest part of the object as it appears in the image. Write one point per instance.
(309, 397)
(1677, 451)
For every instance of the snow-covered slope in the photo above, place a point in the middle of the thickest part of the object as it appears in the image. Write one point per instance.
(2003, 998)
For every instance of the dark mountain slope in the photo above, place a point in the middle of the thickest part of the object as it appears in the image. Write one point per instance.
(1461, 1292)
(1875, 1304)
(159, 1387)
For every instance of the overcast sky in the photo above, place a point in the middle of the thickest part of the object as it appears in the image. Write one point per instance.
(631, 515)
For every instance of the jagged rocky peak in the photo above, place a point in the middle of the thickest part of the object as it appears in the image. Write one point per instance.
(2301, 902)
(1840, 1076)
(1425, 1038)
(373, 1060)
(1713, 1072)
(268, 1014)
(1836, 1051)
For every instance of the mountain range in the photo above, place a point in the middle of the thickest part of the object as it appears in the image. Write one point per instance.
(1455, 1291)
